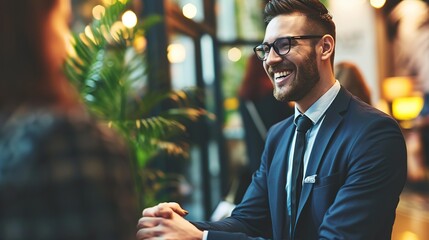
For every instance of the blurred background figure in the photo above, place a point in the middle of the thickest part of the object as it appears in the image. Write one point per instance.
(63, 175)
(259, 111)
(351, 77)
(421, 68)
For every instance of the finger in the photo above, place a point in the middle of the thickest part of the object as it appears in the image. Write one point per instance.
(164, 212)
(149, 212)
(148, 222)
(149, 233)
(152, 211)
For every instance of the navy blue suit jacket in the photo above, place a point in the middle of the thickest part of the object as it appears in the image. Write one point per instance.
(359, 157)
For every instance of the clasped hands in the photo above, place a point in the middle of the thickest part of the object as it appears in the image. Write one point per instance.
(166, 221)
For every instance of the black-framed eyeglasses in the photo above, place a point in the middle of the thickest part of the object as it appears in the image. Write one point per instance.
(281, 46)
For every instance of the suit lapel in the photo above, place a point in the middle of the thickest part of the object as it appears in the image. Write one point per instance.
(332, 119)
(277, 183)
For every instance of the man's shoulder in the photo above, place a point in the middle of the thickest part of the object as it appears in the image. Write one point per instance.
(363, 111)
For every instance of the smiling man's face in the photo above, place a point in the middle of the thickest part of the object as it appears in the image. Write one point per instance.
(295, 74)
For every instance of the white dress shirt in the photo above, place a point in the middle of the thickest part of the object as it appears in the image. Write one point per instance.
(316, 113)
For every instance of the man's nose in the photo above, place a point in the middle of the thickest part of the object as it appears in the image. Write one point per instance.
(273, 57)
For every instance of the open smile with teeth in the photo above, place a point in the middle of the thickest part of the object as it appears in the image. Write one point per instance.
(279, 76)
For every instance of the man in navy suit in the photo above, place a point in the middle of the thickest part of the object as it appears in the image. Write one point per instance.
(354, 165)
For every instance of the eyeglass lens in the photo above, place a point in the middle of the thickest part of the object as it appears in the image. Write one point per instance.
(281, 47)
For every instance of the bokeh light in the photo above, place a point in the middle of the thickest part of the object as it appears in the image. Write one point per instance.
(189, 10)
(176, 53)
(377, 3)
(98, 12)
(129, 19)
(234, 54)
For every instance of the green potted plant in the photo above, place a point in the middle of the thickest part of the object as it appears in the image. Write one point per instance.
(107, 66)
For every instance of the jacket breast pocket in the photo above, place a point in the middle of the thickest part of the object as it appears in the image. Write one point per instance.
(323, 194)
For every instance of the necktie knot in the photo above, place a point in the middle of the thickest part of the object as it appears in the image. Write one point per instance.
(303, 123)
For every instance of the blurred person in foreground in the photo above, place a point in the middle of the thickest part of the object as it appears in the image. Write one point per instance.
(63, 175)
(351, 78)
(354, 164)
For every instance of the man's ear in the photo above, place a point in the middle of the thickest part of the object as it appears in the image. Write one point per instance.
(327, 47)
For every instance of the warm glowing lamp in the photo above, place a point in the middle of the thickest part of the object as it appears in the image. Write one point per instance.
(396, 87)
(407, 108)
(409, 236)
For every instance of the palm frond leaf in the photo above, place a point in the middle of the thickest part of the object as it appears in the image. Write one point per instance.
(109, 72)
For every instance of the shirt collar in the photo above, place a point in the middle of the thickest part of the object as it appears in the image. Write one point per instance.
(318, 109)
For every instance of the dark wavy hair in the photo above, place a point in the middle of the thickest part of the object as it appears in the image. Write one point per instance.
(320, 19)
(24, 71)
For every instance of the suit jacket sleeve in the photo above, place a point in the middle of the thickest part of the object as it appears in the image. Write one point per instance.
(251, 219)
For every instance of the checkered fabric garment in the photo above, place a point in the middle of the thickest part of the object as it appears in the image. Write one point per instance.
(64, 177)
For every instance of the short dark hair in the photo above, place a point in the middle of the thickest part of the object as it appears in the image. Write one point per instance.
(321, 20)
(313, 9)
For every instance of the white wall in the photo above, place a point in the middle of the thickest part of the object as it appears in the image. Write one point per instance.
(356, 38)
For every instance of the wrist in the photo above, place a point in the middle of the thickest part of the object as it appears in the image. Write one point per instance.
(199, 235)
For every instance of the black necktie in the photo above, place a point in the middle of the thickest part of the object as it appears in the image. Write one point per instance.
(303, 123)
